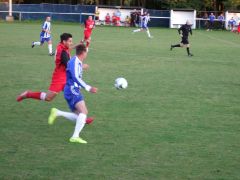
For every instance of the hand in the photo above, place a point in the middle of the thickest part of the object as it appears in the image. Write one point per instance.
(93, 90)
(85, 66)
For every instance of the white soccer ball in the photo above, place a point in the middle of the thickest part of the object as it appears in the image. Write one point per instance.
(121, 83)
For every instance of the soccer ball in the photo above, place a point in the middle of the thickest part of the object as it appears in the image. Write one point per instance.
(121, 83)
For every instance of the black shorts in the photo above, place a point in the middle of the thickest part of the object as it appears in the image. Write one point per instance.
(185, 40)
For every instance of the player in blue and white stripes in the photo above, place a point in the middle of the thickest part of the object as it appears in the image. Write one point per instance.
(73, 95)
(45, 35)
(144, 19)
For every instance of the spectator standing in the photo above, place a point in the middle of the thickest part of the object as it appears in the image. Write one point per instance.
(127, 21)
(231, 24)
(118, 17)
(107, 19)
(133, 18)
(114, 19)
(97, 14)
(205, 16)
(221, 21)
(211, 21)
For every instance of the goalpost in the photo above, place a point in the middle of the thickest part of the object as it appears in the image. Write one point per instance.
(9, 17)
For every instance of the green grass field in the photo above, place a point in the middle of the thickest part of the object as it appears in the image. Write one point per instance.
(178, 119)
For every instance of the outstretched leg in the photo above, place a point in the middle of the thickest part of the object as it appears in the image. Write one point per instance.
(49, 96)
(173, 46)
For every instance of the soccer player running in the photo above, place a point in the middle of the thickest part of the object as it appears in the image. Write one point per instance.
(145, 18)
(45, 35)
(184, 31)
(73, 95)
(89, 25)
(59, 73)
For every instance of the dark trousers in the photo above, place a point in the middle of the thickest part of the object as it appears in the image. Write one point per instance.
(211, 23)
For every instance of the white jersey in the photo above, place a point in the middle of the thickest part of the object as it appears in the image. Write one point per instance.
(144, 21)
(46, 26)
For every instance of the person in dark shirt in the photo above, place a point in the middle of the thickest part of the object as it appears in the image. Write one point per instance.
(184, 31)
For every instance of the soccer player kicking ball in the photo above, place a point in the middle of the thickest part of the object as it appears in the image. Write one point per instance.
(74, 96)
(184, 31)
(143, 25)
(45, 35)
(89, 25)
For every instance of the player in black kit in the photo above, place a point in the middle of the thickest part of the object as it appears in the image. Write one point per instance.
(184, 31)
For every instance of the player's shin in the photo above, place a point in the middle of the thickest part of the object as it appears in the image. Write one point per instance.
(37, 43)
(36, 95)
(188, 50)
(81, 120)
(148, 33)
(50, 48)
(137, 30)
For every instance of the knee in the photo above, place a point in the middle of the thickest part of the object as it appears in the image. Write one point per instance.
(85, 112)
(48, 99)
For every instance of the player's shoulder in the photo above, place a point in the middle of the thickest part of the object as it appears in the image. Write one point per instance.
(44, 23)
(60, 46)
(72, 60)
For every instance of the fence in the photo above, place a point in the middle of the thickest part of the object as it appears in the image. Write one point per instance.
(61, 12)
(78, 13)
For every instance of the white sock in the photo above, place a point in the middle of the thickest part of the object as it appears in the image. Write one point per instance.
(50, 48)
(70, 116)
(137, 30)
(43, 96)
(81, 120)
(148, 33)
(37, 43)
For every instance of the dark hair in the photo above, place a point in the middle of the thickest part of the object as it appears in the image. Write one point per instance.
(80, 49)
(65, 37)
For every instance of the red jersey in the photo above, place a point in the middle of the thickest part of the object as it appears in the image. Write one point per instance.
(59, 73)
(107, 18)
(89, 25)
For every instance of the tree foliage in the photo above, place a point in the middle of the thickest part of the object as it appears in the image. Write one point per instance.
(200, 5)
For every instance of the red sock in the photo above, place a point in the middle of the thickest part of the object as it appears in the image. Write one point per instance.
(34, 95)
(88, 43)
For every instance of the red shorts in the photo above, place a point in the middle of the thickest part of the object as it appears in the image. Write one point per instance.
(56, 87)
(57, 84)
(87, 35)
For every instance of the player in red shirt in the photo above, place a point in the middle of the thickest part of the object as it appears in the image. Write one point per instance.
(107, 19)
(89, 25)
(59, 74)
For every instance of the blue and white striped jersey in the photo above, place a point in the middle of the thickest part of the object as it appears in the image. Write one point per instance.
(46, 26)
(74, 74)
(144, 21)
